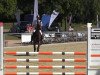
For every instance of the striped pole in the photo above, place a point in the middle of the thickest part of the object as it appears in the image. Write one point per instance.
(45, 73)
(95, 55)
(43, 60)
(45, 67)
(44, 53)
(1, 48)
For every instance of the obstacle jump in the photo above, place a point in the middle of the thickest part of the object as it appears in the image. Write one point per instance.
(45, 60)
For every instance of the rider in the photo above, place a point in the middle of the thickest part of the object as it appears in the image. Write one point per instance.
(39, 22)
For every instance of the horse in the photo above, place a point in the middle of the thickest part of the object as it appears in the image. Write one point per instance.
(36, 37)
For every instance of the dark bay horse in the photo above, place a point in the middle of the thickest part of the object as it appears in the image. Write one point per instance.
(36, 37)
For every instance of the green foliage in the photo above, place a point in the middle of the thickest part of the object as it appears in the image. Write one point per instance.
(82, 10)
(7, 9)
(25, 5)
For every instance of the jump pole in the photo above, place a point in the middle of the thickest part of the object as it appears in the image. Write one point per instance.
(45, 53)
(45, 73)
(44, 60)
(44, 67)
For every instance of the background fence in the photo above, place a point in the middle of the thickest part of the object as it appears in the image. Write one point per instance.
(15, 39)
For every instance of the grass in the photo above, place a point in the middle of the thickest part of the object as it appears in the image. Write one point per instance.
(12, 37)
(7, 25)
(77, 27)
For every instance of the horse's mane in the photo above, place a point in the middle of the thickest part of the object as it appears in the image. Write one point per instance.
(38, 27)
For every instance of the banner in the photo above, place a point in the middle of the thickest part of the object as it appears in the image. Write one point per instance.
(35, 11)
(53, 17)
(45, 19)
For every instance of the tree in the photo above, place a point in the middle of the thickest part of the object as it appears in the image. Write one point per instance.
(7, 9)
(82, 10)
(25, 5)
(97, 8)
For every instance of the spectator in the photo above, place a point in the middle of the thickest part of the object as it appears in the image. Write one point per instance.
(71, 29)
(29, 28)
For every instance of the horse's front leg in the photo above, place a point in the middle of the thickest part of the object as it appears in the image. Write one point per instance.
(38, 47)
(34, 47)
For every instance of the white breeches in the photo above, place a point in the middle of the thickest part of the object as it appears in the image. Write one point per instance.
(39, 31)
